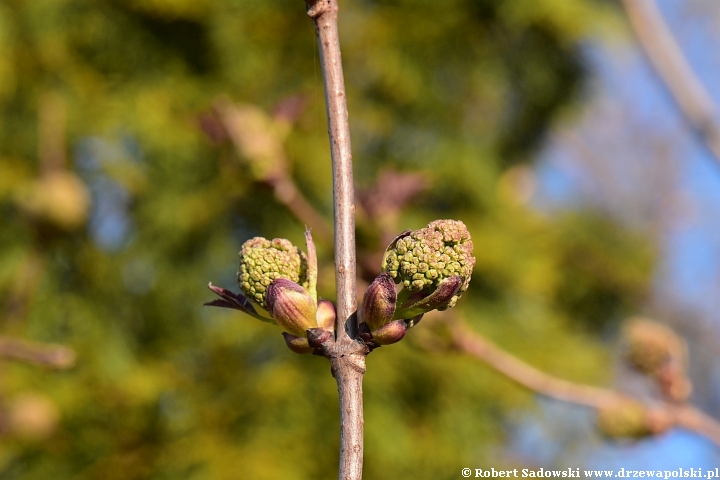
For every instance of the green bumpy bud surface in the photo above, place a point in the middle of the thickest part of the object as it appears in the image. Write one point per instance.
(425, 257)
(263, 260)
(650, 345)
(626, 419)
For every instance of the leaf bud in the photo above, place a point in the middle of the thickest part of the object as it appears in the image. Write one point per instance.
(650, 346)
(291, 306)
(390, 333)
(378, 305)
(326, 315)
(624, 419)
(297, 344)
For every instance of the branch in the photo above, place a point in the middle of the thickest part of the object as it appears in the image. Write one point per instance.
(52, 119)
(252, 134)
(667, 59)
(696, 421)
(54, 356)
(526, 375)
(346, 353)
(324, 14)
(540, 382)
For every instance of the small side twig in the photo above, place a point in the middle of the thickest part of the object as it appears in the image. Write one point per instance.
(667, 59)
(525, 374)
(472, 343)
(51, 133)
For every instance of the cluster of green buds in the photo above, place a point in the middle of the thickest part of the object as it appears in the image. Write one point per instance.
(650, 345)
(630, 419)
(279, 285)
(656, 351)
(433, 266)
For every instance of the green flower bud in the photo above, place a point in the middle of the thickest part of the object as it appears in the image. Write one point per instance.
(378, 305)
(297, 344)
(291, 306)
(422, 259)
(650, 346)
(326, 315)
(624, 419)
(263, 260)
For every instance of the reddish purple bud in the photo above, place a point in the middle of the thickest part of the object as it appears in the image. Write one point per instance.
(326, 315)
(378, 305)
(297, 344)
(236, 301)
(390, 333)
(441, 298)
(291, 306)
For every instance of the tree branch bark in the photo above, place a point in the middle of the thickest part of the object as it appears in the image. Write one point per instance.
(667, 59)
(346, 354)
(527, 375)
(684, 416)
(48, 355)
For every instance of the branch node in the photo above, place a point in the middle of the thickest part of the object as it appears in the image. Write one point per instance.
(315, 8)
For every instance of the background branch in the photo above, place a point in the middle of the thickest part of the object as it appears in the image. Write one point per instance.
(257, 139)
(667, 59)
(55, 356)
(474, 344)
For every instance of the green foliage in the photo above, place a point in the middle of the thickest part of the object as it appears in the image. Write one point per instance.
(164, 389)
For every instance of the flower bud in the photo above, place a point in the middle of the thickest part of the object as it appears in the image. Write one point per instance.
(326, 315)
(650, 346)
(297, 344)
(378, 305)
(291, 306)
(421, 260)
(390, 333)
(263, 260)
(624, 419)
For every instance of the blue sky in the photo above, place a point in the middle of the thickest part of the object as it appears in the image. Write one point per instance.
(628, 95)
(690, 266)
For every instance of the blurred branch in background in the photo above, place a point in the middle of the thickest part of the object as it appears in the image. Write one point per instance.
(52, 119)
(667, 59)
(46, 355)
(23, 287)
(619, 415)
(258, 138)
(378, 210)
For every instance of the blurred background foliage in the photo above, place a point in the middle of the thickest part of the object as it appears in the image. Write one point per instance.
(122, 195)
